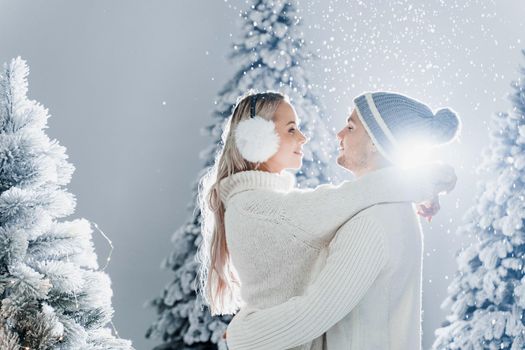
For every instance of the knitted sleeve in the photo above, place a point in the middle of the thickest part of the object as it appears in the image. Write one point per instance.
(327, 207)
(357, 255)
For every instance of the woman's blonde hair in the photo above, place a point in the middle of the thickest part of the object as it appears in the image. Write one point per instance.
(218, 280)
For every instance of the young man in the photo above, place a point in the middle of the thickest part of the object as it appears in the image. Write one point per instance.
(368, 293)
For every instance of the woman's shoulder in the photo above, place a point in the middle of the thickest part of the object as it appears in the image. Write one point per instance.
(258, 202)
(256, 182)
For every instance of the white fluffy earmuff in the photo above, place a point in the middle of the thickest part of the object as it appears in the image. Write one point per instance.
(256, 138)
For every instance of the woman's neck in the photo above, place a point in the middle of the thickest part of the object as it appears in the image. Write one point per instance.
(268, 169)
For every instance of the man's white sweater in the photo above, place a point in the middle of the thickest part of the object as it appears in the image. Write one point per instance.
(276, 235)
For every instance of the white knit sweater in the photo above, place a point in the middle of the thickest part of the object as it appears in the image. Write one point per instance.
(276, 233)
(366, 297)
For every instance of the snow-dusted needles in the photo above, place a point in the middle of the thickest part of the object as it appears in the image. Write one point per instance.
(74, 293)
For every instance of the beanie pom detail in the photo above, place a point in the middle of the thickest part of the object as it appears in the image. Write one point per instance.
(445, 126)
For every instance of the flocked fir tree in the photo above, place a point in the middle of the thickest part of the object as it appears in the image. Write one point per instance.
(487, 295)
(53, 296)
(271, 55)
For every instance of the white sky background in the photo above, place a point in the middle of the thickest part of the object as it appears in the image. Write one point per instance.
(129, 84)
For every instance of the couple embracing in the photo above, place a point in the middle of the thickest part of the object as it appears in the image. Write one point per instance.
(335, 267)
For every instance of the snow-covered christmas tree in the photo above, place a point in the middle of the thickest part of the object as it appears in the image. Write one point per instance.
(487, 295)
(271, 55)
(53, 294)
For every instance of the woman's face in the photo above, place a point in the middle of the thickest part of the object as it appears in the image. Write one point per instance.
(289, 155)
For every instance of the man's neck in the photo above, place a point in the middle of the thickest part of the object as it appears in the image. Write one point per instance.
(369, 169)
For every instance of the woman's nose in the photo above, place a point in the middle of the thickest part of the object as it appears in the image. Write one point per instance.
(303, 139)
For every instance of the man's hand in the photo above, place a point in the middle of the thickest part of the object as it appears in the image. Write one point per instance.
(428, 209)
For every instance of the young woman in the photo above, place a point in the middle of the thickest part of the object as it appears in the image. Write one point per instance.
(263, 239)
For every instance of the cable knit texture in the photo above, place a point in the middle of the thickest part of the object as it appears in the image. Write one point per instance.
(277, 234)
(366, 296)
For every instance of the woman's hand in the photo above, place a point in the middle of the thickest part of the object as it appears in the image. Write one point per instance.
(429, 180)
(445, 179)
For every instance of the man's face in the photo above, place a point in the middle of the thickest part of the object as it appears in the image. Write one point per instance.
(356, 150)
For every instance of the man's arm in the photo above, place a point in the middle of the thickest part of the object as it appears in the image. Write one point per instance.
(356, 257)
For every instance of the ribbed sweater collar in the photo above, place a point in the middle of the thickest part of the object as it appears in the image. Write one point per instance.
(256, 179)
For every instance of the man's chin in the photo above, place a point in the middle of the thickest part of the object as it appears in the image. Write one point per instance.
(341, 162)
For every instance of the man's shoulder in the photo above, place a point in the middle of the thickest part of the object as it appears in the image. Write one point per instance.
(382, 208)
(388, 213)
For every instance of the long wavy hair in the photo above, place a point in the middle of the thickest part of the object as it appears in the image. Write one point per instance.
(218, 280)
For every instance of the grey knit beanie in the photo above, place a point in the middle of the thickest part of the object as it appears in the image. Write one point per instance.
(394, 120)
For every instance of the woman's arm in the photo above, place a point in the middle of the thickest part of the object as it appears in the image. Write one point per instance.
(328, 207)
(356, 257)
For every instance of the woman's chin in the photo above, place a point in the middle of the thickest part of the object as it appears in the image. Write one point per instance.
(296, 166)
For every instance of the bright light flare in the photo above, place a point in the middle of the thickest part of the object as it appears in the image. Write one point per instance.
(413, 153)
